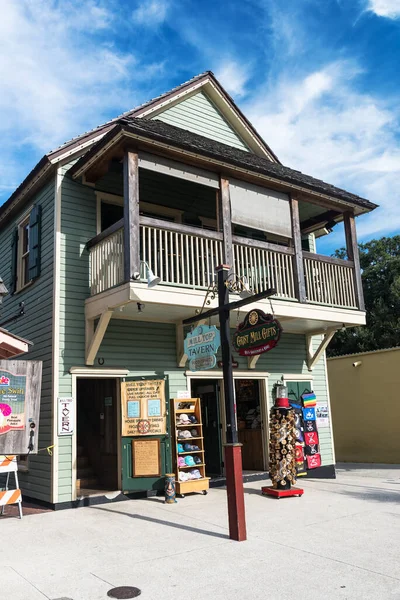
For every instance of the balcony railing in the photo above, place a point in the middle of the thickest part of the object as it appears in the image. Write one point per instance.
(187, 257)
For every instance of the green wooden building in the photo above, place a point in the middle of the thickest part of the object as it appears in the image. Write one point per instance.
(178, 185)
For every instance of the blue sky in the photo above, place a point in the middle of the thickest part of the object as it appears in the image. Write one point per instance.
(318, 78)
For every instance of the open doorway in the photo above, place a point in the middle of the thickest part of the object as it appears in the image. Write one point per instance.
(250, 423)
(208, 392)
(97, 435)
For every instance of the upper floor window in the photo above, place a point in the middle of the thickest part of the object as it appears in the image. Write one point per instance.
(25, 263)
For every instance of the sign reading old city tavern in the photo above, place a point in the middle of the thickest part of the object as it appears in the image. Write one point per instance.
(201, 345)
(257, 334)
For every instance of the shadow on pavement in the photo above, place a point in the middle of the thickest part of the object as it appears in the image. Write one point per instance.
(168, 523)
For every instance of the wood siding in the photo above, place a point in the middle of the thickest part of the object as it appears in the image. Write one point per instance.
(200, 115)
(78, 225)
(36, 326)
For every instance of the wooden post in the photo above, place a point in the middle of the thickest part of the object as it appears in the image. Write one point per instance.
(233, 450)
(352, 254)
(225, 220)
(298, 265)
(131, 216)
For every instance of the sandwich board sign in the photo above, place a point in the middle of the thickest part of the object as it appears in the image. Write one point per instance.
(201, 346)
(20, 389)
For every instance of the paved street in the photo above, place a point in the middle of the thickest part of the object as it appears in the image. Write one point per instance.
(341, 540)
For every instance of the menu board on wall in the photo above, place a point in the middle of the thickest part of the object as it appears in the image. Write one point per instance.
(146, 458)
(143, 407)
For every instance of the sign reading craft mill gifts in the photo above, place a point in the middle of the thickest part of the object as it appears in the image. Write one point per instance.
(257, 334)
(201, 345)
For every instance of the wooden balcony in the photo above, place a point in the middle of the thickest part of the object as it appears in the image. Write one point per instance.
(186, 257)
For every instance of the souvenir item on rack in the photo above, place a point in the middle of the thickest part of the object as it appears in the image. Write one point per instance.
(311, 438)
(184, 433)
(300, 460)
(193, 419)
(311, 449)
(310, 426)
(194, 474)
(181, 461)
(314, 461)
(181, 448)
(282, 465)
(309, 414)
(197, 460)
(182, 476)
(189, 461)
(184, 419)
(309, 399)
(194, 432)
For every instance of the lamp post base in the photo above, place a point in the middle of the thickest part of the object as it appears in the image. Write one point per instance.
(234, 488)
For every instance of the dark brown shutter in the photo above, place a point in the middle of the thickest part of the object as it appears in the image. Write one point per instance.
(14, 261)
(34, 241)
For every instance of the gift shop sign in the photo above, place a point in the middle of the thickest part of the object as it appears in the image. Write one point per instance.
(201, 345)
(257, 334)
(12, 402)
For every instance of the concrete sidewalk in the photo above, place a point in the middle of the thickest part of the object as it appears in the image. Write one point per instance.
(341, 540)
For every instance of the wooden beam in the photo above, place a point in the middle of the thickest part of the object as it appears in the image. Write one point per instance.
(298, 265)
(225, 219)
(352, 254)
(317, 221)
(98, 336)
(312, 359)
(181, 357)
(252, 361)
(131, 216)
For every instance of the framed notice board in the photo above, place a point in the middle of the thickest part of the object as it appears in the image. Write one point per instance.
(144, 410)
(146, 460)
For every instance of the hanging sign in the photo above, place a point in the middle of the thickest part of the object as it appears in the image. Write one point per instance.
(201, 345)
(202, 363)
(257, 334)
(65, 416)
(143, 407)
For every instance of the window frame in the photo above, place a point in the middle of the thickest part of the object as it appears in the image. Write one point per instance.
(23, 257)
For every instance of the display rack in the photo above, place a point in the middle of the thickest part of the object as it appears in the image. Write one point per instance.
(192, 408)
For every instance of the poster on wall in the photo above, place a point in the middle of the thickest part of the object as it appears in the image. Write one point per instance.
(146, 458)
(322, 414)
(65, 416)
(20, 390)
(143, 407)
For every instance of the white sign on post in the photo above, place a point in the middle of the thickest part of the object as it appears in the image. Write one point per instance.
(65, 416)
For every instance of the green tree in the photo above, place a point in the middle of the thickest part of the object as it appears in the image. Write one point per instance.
(380, 265)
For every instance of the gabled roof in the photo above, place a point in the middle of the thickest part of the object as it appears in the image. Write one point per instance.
(205, 81)
(175, 137)
(209, 83)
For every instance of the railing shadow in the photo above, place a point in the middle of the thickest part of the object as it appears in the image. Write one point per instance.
(224, 536)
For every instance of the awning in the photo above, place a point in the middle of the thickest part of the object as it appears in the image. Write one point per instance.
(12, 345)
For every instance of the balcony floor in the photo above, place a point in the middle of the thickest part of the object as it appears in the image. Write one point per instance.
(168, 304)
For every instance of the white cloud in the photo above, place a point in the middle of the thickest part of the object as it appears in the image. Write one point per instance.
(150, 13)
(233, 77)
(323, 126)
(59, 76)
(385, 8)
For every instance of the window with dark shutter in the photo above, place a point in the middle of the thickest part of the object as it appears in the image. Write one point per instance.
(33, 242)
(14, 262)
